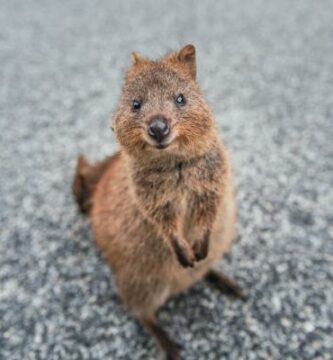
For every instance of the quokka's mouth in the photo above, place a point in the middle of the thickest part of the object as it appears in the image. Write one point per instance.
(161, 146)
(166, 143)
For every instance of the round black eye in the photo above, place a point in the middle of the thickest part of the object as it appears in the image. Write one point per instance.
(136, 105)
(180, 100)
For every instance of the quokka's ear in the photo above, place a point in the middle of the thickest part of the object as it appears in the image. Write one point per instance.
(186, 55)
(136, 58)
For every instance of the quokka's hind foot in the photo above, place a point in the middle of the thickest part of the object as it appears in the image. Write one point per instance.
(169, 346)
(225, 284)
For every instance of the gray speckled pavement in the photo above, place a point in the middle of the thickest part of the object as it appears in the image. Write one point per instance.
(267, 70)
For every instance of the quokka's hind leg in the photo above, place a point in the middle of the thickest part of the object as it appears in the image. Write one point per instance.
(225, 284)
(81, 187)
(86, 177)
(170, 347)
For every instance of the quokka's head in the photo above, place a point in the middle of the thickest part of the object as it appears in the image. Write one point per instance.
(161, 109)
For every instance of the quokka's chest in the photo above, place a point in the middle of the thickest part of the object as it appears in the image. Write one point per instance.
(179, 184)
(182, 182)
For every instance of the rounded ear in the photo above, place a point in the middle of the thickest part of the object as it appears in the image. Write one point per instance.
(136, 58)
(186, 55)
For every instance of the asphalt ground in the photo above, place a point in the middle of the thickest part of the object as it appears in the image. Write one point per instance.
(266, 68)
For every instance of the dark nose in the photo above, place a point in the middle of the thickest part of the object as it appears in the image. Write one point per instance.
(158, 129)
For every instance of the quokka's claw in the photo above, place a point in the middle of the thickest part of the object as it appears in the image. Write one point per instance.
(183, 253)
(200, 248)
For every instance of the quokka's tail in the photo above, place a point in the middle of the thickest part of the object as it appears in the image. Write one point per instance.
(86, 177)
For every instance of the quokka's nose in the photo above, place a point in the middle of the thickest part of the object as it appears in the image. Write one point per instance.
(158, 129)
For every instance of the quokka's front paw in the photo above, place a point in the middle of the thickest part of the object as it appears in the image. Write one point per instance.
(183, 252)
(201, 247)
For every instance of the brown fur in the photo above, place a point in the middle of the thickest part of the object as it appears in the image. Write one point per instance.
(162, 218)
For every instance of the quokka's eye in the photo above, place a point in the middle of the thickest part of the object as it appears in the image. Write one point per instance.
(180, 100)
(136, 105)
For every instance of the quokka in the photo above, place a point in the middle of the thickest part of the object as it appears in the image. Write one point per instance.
(162, 209)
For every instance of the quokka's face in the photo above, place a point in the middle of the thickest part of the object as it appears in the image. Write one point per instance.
(161, 109)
